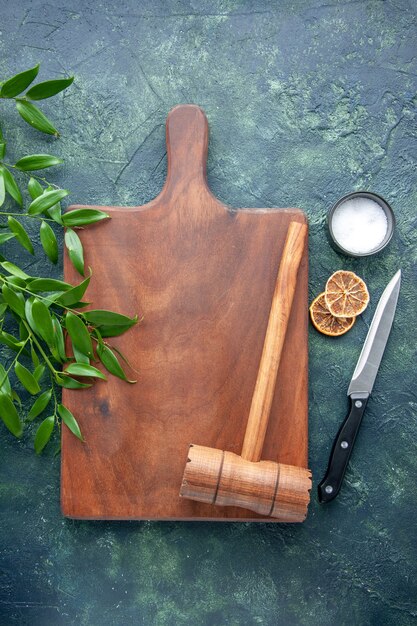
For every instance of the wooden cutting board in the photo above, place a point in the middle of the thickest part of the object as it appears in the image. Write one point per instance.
(202, 275)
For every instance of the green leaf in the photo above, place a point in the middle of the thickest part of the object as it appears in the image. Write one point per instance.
(48, 88)
(114, 331)
(12, 187)
(82, 217)
(33, 116)
(79, 334)
(33, 354)
(43, 434)
(28, 311)
(2, 149)
(14, 299)
(4, 381)
(100, 317)
(16, 397)
(10, 416)
(20, 233)
(70, 421)
(43, 322)
(5, 237)
(48, 284)
(80, 357)
(39, 405)
(51, 298)
(111, 362)
(70, 383)
(13, 269)
(81, 304)
(56, 213)
(10, 341)
(14, 281)
(59, 340)
(18, 83)
(26, 378)
(110, 324)
(35, 188)
(23, 331)
(49, 242)
(39, 372)
(2, 186)
(46, 201)
(82, 369)
(72, 296)
(3, 308)
(75, 250)
(37, 162)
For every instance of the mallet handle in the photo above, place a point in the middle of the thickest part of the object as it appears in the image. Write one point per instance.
(274, 341)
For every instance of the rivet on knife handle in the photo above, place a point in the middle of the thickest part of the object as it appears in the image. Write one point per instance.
(342, 448)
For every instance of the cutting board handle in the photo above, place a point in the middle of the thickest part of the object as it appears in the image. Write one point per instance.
(187, 144)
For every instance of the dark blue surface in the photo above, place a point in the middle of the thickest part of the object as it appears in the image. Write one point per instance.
(306, 101)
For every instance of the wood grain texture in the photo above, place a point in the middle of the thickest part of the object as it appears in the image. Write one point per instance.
(218, 477)
(203, 276)
(223, 479)
(279, 316)
(226, 479)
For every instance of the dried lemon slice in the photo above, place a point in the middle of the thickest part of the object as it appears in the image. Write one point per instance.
(346, 294)
(327, 323)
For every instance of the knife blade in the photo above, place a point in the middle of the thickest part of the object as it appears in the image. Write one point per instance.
(360, 389)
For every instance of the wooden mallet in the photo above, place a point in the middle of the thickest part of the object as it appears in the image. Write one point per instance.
(224, 478)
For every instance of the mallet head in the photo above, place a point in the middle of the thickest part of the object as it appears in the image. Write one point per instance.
(224, 478)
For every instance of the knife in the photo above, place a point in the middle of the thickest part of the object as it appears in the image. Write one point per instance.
(360, 389)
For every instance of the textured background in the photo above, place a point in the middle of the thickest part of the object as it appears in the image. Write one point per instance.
(306, 100)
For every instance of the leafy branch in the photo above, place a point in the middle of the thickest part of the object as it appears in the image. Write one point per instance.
(42, 323)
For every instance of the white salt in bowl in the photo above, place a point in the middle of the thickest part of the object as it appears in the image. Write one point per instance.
(360, 224)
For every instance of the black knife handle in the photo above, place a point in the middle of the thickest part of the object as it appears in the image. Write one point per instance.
(342, 448)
